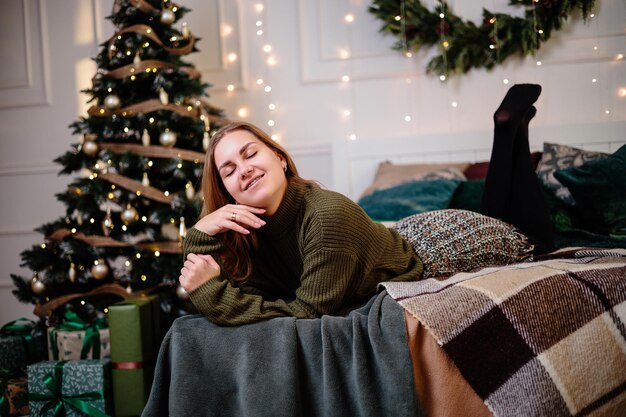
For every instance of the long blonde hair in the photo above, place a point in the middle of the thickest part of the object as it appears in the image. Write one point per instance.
(238, 248)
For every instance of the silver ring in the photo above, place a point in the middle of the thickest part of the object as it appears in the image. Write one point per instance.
(233, 216)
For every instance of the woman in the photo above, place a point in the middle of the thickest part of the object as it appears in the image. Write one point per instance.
(271, 244)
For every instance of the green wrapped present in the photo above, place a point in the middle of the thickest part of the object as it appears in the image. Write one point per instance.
(17, 344)
(134, 325)
(13, 394)
(75, 339)
(70, 388)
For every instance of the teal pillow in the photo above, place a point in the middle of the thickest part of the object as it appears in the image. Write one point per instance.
(409, 198)
(599, 190)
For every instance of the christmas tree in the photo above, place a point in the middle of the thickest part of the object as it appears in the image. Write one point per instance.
(136, 170)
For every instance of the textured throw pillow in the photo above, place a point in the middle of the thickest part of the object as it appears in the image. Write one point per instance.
(409, 198)
(556, 157)
(389, 174)
(599, 189)
(449, 241)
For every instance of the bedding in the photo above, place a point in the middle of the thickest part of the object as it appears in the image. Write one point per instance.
(543, 338)
(333, 366)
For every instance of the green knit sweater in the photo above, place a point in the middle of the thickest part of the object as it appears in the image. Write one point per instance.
(318, 254)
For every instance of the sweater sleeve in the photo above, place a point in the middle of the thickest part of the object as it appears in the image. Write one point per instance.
(226, 305)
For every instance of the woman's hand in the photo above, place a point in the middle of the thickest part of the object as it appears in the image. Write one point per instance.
(236, 217)
(197, 270)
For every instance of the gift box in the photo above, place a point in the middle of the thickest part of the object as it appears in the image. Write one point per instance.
(135, 337)
(18, 344)
(12, 353)
(79, 387)
(14, 395)
(74, 339)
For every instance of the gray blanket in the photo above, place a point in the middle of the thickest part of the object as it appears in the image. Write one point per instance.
(357, 365)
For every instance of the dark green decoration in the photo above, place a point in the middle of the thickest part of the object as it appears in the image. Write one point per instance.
(135, 170)
(463, 45)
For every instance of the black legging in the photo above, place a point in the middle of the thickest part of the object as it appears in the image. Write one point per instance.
(512, 190)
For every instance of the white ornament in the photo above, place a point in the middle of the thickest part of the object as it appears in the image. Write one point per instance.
(190, 192)
(205, 141)
(185, 30)
(137, 59)
(168, 17)
(163, 97)
(129, 215)
(145, 138)
(167, 138)
(99, 270)
(37, 286)
(181, 293)
(145, 181)
(182, 229)
(112, 101)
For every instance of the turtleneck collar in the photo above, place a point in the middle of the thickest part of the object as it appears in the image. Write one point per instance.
(287, 211)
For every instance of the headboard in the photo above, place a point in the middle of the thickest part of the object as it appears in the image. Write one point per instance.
(355, 162)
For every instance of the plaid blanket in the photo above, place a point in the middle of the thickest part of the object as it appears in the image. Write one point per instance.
(544, 338)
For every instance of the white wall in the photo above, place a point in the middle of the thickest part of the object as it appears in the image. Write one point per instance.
(46, 49)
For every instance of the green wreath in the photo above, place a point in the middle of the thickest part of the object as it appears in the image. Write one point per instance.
(462, 44)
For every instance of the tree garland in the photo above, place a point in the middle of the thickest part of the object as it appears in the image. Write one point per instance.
(462, 44)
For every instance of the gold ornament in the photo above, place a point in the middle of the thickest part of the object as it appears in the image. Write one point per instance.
(130, 215)
(181, 293)
(90, 148)
(107, 223)
(101, 166)
(36, 285)
(185, 30)
(79, 217)
(145, 138)
(72, 272)
(99, 270)
(167, 138)
(163, 97)
(137, 59)
(167, 17)
(112, 102)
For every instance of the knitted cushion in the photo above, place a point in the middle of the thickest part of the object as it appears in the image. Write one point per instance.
(449, 241)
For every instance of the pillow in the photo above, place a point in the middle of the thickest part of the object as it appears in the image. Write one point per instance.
(599, 189)
(449, 241)
(389, 174)
(556, 157)
(478, 170)
(468, 195)
(409, 198)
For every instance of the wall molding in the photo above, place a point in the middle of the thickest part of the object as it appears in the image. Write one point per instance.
(35, 88)
(28, 169)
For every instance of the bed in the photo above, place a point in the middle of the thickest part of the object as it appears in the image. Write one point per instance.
(540, 338)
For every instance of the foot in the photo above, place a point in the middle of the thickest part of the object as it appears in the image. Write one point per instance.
(516, 103)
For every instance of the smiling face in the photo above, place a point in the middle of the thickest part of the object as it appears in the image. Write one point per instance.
(252, 173)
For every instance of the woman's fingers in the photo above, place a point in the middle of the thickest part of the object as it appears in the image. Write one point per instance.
(236, 217)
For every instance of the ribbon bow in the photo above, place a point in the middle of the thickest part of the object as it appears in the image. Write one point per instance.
(23, 328)
(91, 342)
(57, 402)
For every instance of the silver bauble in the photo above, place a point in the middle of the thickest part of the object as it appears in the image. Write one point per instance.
(91, 148)
(167, 17)
(112, 101)
(181, 293)
(37, 286)
(129, 215)
(167, 138)
(100, 270)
